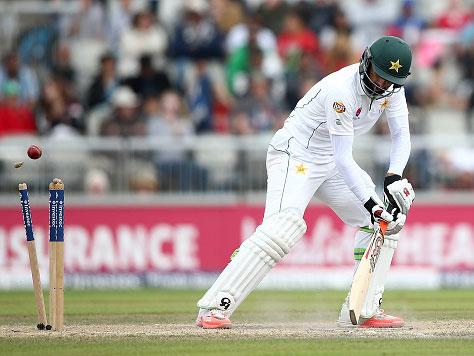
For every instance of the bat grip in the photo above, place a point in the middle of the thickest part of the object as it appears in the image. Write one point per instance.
(383, 226)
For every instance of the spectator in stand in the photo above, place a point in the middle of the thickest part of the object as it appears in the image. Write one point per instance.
(369, 19)
(249, 30)
(145, 37)
(299, 49)
(125, 120)
(308, 73)
(337, 43)
(148, 81)
(83, 28)
(120, 19)
(60, 112)
(196, 37)
(86, 23)
(13, 70)
(273, 13)
(340, 54)
(263, 112)
(104, 83)
(169, 123)
(318, 14)
(62, 66)
(15, 116)
(168, 119)
(143, 180)
(251, 48)
(227, 13)
(296, 38)
(408, 25)
(64, 77)
(455, 16)
(151, 113)
(96, 182)
(200, 97)
(240, 63)
(435, 90)
(457, 165)
(240, 124)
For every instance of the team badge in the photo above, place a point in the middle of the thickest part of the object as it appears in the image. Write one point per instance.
(301, 169)
(384, 105)
(395, 65)
(339, 107)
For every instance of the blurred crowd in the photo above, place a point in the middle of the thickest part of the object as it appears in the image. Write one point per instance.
(181, 68)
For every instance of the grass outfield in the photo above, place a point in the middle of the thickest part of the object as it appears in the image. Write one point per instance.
(154, 321)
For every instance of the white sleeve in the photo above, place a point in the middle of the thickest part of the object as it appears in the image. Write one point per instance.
(397, 118)
(348, 168)
(401, 144)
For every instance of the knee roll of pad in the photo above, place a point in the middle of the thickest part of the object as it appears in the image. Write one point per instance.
(276, 236)
(285, 227)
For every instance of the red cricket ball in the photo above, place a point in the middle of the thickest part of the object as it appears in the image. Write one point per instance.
(34, 152)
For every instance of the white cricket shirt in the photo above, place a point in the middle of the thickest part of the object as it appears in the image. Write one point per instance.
(337, 105)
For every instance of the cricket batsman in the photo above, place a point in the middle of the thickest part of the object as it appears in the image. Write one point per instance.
(312, 155)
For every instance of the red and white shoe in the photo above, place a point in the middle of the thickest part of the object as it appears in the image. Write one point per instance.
(379, 320)
(382, 320)
(213, 319)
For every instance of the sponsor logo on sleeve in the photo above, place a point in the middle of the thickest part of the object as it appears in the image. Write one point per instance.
(339, 107)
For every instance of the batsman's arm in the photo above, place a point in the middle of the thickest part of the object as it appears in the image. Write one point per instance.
(401, 144)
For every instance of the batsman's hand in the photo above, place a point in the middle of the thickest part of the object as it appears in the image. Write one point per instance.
(399, 192)
(377, 212)
(396, 225)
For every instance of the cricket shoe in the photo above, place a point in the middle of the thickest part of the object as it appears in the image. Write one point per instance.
(382, 320)
(212, 319)
(379, 320)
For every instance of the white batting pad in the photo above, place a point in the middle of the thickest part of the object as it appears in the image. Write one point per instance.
(256, 257)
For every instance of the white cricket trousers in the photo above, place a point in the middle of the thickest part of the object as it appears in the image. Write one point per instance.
(294, 177)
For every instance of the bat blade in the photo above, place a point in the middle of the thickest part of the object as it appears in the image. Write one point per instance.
(363, 275)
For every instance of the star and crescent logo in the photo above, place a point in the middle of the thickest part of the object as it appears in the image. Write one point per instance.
(395, 65)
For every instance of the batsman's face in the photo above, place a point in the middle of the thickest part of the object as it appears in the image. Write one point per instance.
(380, 83)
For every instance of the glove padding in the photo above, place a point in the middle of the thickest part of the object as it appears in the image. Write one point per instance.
(377, 212)
(395, 226)
(399, 193)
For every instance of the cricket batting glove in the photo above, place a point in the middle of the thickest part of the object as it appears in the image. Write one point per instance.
(399, 193)
(396, 225)
(398, 221)
(377, 212)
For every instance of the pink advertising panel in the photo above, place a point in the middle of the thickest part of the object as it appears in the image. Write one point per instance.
(143, 243)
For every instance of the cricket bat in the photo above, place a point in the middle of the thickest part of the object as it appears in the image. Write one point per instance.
(363, 275)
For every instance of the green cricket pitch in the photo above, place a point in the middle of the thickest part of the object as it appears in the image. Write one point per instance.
(157, 321)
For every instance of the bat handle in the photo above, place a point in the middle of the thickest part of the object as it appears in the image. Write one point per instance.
(383, 226)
